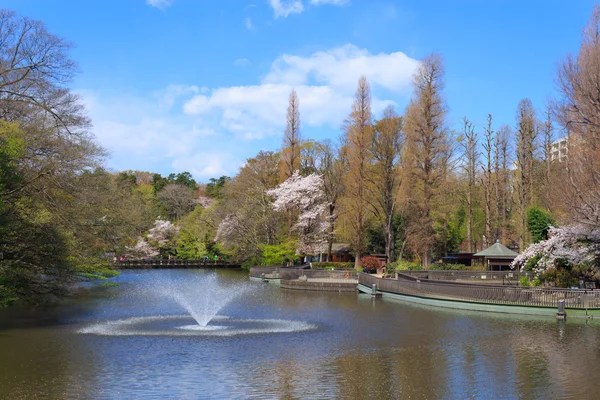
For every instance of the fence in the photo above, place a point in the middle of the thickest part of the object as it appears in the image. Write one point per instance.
(507, 277)
(509, 295)
(270, 271)
(171, 263)
(293, 274)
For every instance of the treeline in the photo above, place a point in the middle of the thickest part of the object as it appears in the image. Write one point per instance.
(407, 185)
(401, 183)
(63, 217)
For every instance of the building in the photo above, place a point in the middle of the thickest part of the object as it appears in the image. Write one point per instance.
(559, 149)
(497, 257)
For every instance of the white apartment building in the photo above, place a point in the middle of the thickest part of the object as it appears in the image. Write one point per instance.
(559, 149)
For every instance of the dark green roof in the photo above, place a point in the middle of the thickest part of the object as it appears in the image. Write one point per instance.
(497, 250)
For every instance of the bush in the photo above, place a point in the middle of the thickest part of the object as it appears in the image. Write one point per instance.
(524, 281)
(446, 267)
(538, 223)
(332, 265)
(370, 262)
(278, 254)
(402, 265)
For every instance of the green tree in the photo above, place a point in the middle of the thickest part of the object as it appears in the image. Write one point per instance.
(215, 187)
(538, 224)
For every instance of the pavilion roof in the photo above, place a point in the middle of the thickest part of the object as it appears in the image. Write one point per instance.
(497, 250)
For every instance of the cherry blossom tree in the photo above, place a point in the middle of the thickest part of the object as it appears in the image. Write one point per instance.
(158, 238)
(303, 194)
(162, 232)
(574, 246)
(142, 250)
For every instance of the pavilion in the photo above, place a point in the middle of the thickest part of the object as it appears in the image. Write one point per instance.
(497, 257)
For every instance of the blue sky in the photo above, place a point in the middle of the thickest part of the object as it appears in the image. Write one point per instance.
(202, 85)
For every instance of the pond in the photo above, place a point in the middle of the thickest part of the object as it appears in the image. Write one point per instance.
(189, 334)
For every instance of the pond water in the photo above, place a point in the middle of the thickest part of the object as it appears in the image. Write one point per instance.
(141, 340)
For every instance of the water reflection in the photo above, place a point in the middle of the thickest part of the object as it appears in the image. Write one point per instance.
(359, 348)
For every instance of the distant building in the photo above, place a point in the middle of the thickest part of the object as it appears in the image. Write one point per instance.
(497, 257)
(559, 149)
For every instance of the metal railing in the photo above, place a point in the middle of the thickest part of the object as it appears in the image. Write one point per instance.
(270, 271)
(170, 263)
(503, 295)
(292, 274)
(445, 275)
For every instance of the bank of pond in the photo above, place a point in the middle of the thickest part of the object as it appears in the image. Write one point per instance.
(486, 291)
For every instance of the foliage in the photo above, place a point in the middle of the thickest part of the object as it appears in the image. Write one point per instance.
(182, 179)
(332, 265)
(215, 187)
(446, 267)
(569, 253)
(402, 265)
(278, 254)
(370, 262)
(538, 223)
(303, 194)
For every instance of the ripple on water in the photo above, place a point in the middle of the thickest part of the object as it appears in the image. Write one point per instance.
(177, 325)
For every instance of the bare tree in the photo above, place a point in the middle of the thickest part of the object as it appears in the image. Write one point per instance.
(291, 138)
(426, 136)
(331, 167)
(471, 155)
(488, 140)
(177, 200)
(525, 140)
(578, 111)
(501, 181)
(35, 70)
(385, 150)
(359, 131)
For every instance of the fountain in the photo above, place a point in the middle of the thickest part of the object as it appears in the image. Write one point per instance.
(202, 296)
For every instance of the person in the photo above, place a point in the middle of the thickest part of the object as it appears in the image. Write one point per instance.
(121, 259)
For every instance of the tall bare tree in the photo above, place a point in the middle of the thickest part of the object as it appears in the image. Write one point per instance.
(525, 142)
(488, 140)
(385, 151)
(578, 111)
(470, 161)
(359, 131)
(501, 181)
(331, 167)
(425, 127)
(292, 140)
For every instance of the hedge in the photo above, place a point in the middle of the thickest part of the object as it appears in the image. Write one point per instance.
(333, 265)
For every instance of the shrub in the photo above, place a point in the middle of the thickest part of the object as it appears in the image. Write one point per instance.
(524, 281)
(332, 265)
(402, 265)
(446, 267)
(278, 254)
(370, 262)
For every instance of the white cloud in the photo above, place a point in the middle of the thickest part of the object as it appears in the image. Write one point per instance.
(325, 82)
(208, 131)
(341, 67)
(162, 4)
(208, 164)
(242, 62)
(283, 8)
(332, 2)
(248, 24)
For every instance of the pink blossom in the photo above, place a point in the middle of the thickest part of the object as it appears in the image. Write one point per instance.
(575, 244)
(304, 195)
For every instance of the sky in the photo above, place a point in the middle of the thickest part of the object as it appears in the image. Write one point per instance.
(203, 85)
